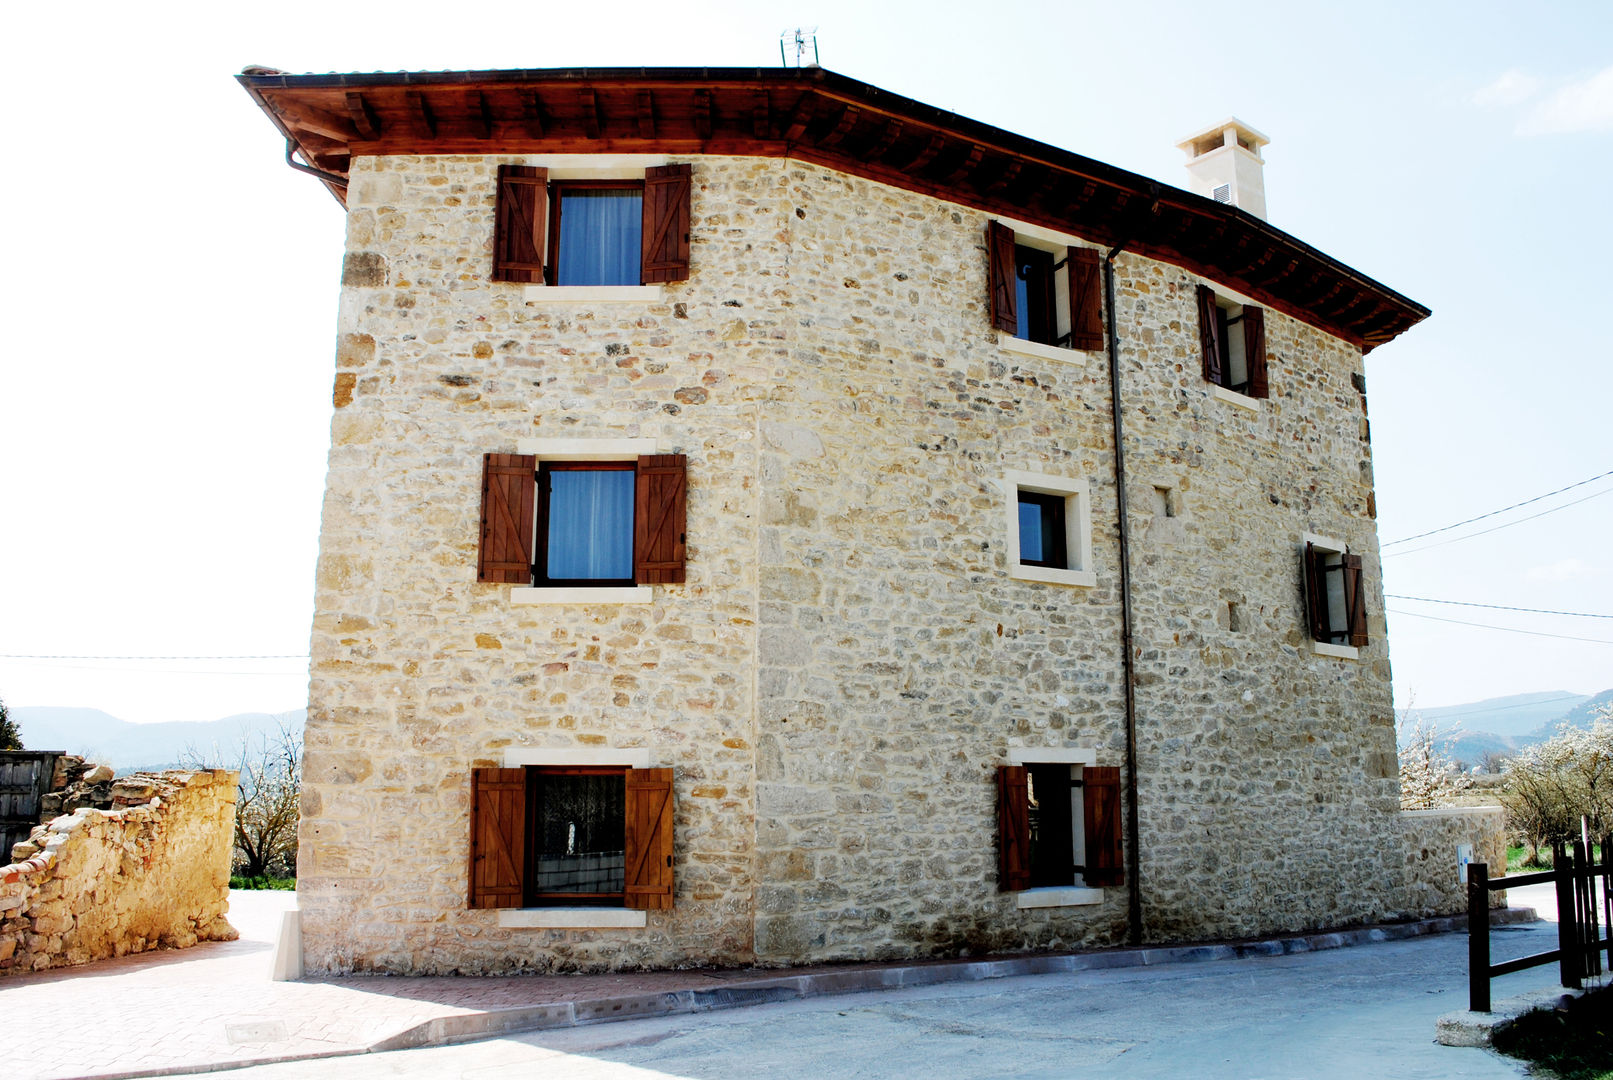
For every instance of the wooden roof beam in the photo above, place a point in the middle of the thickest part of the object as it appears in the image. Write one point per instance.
(362, 113)
(1005, 178)
(800, 117)
(593, 119)
(307, 118)
(966, 167)
(761, 115)
(931, 150)
(425, 120)
(886, 140)
(481, 116)
(849, 115)
(532, 114)
(646, 114)
(702, 114)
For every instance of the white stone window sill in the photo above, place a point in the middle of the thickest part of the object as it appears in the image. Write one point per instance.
(1009, 343)
(591, 294)
(1232, 397)
(1343, 652)
(1059, 896)
(532, 595)
(572, 918)
(1052, 575)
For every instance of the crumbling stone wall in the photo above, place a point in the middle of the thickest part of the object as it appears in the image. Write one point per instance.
(152, 872)
(1430, 839)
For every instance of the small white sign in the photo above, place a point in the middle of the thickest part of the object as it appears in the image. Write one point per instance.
(1464, 855)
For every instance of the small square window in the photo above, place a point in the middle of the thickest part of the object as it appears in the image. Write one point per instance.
(595, 232)
(1232, 341)
(1049, 529)
(1335, 596)
(576, 832)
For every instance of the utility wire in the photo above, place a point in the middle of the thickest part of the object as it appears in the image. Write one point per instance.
(1498, 528)
(1493, 513)
(1508, 629)
(1497, 607)
(1498, 708)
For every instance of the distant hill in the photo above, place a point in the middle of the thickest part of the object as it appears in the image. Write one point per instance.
(131, 747)
(1508, 724)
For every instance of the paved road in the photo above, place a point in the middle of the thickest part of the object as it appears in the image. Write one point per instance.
(1358, 1012)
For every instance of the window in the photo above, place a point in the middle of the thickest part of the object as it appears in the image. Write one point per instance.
(1335, 601)
(1049, 529)
(1058, 827)
(571, 836)
(592, 523)
(1044, 292)
(592, 232)
(1232, 344)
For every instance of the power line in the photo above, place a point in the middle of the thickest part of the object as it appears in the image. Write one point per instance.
(1493, 513)
(28, 656)
(1497, 607)
(1508, 629)
(1503, 525)
(1498, 708)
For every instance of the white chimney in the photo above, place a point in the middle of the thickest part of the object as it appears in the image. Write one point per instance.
(1224, 164)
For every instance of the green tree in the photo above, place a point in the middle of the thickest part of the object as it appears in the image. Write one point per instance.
(10, 737)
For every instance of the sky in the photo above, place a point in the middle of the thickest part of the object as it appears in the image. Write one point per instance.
(170, 291)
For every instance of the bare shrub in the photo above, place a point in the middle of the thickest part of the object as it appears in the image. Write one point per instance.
(271, 790)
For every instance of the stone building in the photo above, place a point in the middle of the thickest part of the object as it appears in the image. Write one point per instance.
(772, 520)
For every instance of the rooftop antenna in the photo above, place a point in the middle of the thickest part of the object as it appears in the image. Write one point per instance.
(802, 40)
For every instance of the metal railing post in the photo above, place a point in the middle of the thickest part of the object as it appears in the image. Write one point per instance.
(1478, 937)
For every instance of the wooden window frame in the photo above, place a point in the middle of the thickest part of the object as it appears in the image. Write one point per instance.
(1094, 818)
(1251, 322)
(1325, 579)
(557, 196)
(540, 567)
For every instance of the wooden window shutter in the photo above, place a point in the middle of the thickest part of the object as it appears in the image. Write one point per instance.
(648, 882)
(520, 218)
(1013, 828)
(497, 837)
(1100, 801)
(665, 235)
(1254, 348)
(1086, 300)
(1315, 571)
(1209, 335)
(1355, 600)
(659, 508)
(1003, 273)
(509, 500)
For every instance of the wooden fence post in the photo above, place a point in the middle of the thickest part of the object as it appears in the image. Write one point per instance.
(1569, 959)
(1478, 937)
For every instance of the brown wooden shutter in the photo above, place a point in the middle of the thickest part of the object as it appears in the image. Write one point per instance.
(659, 509)
(1086, 300)
(509, 499)
(665, 235)
(1355, 600)
(1003, 274)
(1209, 335)
(522, 214)
(1315, 572)
(1013, 828)
(648, 882)
(1254, 350)
(497, 837)
(1100, 801)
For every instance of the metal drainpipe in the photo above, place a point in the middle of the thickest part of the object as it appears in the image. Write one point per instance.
(1134, 909)
(328, 177)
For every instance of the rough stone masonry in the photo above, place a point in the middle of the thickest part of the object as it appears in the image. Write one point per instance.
(849, 660)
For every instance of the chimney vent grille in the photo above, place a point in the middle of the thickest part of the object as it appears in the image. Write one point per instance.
(1223, 193)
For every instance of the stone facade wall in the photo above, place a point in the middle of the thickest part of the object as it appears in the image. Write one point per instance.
(153, 873)
(1430, 839)
(849, 660)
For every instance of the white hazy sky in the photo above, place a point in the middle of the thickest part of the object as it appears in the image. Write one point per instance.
(170, 288)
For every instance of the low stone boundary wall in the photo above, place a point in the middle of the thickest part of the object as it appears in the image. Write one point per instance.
(153, 872)
(1430, 840)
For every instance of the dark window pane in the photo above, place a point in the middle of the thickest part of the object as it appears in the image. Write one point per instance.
(1022, 305)
(590, 530)
(599, 237)
(1041, 530)
(580, 827)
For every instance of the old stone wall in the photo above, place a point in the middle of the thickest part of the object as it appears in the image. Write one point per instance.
(152, 873)
(849, 661)
(1433, 885)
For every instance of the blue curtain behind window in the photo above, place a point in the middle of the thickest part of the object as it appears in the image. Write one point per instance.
(599, 237)
(591, 524)
(1022, 310)
(1030, 532)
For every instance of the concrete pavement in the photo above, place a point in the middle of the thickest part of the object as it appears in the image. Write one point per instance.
(213, 1006)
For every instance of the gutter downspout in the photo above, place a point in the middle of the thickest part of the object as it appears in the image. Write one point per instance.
(1134, 895)
(330, 178)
